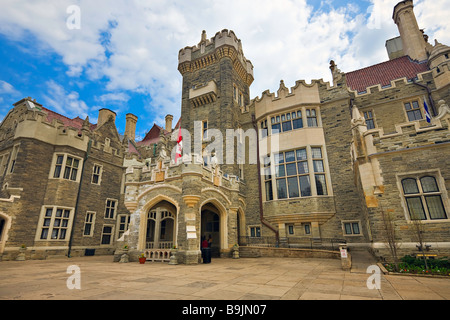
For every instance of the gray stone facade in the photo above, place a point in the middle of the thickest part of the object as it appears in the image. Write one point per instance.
(347, 149)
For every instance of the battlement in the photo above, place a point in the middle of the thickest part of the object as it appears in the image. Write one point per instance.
(208, 51)
(34, 124)
(301, 94)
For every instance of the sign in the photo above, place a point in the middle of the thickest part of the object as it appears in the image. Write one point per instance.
(343, 253)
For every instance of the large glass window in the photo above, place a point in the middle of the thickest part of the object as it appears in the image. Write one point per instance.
(423, 198)
(293, 174)
(55, 223)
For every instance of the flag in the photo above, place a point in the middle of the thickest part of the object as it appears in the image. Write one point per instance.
(179, 146)
(427, 112)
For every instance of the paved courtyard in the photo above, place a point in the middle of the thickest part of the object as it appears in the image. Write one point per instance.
(223, 279)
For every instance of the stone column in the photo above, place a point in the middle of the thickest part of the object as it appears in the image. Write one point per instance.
(191, 247)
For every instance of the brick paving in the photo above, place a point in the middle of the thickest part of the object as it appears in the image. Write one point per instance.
(223, 279)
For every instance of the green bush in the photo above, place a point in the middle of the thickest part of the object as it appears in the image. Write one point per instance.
(413, 265)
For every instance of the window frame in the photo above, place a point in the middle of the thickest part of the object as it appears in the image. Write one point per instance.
(277, 174)
(351, 224)
(120, 223)
(93, 215)
(63, 167)
(419, 108)
(107, 210)
(370, 119)
(13, 159)
(99, 174)
(254, 231)
(111, 234)
(423, 195)
(297, 116)
(51, 224)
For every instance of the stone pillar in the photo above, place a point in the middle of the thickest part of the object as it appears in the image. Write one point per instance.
(191, 247)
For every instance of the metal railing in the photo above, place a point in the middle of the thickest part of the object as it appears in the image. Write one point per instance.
(292, 242)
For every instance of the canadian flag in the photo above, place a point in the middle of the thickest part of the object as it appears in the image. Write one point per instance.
(179, 146)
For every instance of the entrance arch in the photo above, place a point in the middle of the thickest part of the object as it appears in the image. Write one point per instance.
(213, 223)
(160, 226)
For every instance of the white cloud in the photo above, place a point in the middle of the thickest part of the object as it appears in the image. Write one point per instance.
(134, 44)
(63, 102)
(7, 88)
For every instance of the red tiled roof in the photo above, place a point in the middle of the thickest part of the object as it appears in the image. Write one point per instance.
(152, 136)
(76, 123)
(384, 73)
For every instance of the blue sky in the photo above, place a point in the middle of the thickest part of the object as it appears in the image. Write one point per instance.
(124, 55)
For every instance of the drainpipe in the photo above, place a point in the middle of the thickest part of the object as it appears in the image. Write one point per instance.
(261, 215)
(78, 197)
(433, 109)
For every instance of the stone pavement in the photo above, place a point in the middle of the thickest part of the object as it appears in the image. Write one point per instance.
(223, 279)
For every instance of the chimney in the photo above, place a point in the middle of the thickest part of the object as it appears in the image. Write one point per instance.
(130, 126)
(169, 119)
(413, 41)
(104, 115)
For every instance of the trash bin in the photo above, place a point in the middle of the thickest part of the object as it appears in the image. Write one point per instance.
(206, 255)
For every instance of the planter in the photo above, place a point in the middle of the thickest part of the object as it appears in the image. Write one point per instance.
(142, 260)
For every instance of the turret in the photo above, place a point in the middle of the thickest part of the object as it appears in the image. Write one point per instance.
(413, 40)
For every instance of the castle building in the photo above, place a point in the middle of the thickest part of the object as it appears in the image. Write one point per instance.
(354, 161)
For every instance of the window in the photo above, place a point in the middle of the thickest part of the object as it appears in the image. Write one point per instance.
(276, 126)
(205, 130)
(351, 228)
(96, 174)
(55, 223)
(110, 208)
(286, 122)
(292, 121)
(107, 232)
(368, 115)
(268, 178)
(413, 111)
(423, 198)
(89, 224)
(311, 117)
(124, 221)
(290, 229)
(264, 130)
(66, 167)
(297, 120)
(321, 185)
(4, 163)
(14, 153)
(255, 232)
(307, 228)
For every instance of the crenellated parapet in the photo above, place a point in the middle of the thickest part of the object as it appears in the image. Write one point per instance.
(209, 51)
(301, 94)
(33, 123)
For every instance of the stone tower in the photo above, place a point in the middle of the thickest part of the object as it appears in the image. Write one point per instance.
(413, 41)
(216, 81)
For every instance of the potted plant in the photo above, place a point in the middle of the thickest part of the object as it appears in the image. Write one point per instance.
(142, 258)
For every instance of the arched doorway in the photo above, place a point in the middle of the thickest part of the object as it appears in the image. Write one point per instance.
(160, 226)
(211, 227)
